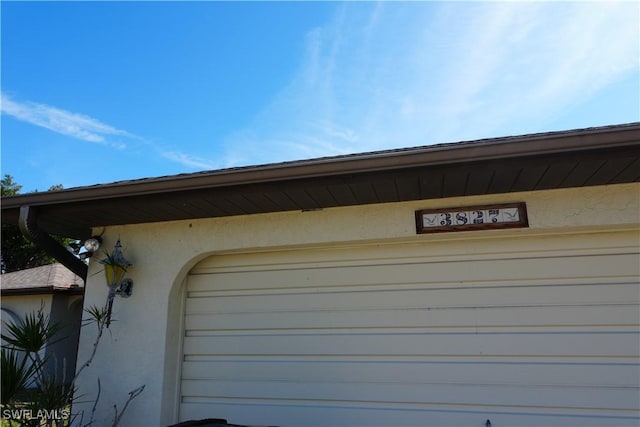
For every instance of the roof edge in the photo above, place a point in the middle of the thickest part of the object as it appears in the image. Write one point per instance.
(43, 290)
(483, 149)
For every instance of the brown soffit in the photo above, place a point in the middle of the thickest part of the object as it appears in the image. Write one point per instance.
(585, 157)
(433, 155)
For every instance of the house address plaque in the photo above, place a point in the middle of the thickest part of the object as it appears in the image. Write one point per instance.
(510, 215)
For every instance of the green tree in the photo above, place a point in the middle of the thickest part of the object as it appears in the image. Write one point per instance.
(9, 188)
(17, 252)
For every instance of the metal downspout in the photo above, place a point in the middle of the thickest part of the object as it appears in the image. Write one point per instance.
(29, 227)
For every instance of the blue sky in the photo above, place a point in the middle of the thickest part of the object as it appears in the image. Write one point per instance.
(98, 92)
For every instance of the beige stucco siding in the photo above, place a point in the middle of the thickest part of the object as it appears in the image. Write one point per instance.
(15, 307)
(145, 345)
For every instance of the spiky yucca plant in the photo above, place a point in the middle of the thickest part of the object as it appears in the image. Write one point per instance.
(25, 382)
(26, 385)
(17, 374)
(32, 333)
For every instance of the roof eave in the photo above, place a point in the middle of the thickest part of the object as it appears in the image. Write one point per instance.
(43, 290)
(450, 153)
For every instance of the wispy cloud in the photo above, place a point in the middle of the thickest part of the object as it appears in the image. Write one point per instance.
(397, 74)
(525, 64)
(390, 74)
(85, 128)
(64, 122)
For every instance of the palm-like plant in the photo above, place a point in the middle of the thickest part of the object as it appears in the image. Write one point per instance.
(17, 374)
(25, 382)
(32, 333)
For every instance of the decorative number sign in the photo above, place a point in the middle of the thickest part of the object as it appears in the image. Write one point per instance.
(510, 215)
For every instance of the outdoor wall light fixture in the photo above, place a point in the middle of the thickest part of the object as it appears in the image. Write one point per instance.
(115, 267)
(87, 248)
(93, 244)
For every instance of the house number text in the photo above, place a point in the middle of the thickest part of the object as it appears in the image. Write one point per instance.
(471, 218)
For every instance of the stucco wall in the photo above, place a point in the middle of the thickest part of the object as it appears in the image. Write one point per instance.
(15, 307)
(67, 310)
(143, 343)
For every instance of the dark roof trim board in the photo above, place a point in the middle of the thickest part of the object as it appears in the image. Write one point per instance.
(584, 157)
(486, 149)
(45, 290)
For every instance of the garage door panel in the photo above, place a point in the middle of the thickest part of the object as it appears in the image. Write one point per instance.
(356, 414)
(497, 270)
(481, 319)
(612, 373)
(441, 250)
(467, 296)
(623, 344)
(441, 333)
(480, 394)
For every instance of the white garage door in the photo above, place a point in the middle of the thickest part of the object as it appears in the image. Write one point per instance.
(526, 331)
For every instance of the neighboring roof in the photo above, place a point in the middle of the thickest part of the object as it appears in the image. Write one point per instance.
(45, 279)
(576, 158)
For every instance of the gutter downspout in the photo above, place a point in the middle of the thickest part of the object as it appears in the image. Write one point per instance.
(29, 227)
